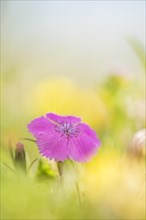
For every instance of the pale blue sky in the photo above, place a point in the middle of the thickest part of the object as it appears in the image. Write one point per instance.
(71, 37)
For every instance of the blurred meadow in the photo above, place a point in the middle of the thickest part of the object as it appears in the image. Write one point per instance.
(82, 58)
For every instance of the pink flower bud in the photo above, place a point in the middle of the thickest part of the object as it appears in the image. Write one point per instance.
(20, 160)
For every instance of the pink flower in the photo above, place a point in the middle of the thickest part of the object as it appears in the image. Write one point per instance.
(64, 137)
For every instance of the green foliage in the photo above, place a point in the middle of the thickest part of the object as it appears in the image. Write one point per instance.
(44, 170)
(111, 186)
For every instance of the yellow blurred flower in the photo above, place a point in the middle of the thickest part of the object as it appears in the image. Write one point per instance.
(118, 183)
(62, 96)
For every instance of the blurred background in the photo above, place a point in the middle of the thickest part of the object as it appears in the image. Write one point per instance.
(83, 58)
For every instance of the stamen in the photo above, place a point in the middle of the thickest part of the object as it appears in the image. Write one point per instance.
(67, 129)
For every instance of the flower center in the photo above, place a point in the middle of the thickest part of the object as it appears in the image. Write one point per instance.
(67, 129)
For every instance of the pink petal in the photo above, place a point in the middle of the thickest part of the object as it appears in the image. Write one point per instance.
(39, 126)
(59, 119)
(52, 146)
(84, 128)
(82, 148)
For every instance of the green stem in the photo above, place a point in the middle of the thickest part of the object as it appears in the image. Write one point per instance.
(78, 193)
(9, 167)
(28, 139)
(77, 184)
(60, 168)
(32, 164)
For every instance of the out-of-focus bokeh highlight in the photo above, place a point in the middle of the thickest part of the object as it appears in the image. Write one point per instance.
(83, 58)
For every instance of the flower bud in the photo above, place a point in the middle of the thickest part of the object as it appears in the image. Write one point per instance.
(20, 159)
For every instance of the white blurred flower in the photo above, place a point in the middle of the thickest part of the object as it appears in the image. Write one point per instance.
(138, 143)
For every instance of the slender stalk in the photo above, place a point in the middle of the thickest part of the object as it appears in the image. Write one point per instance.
(77, 184)
(60, 171)
(32, 164)
(60, 168)
(78, 192)
(11, 151)
(28, 139)
(9, 167)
